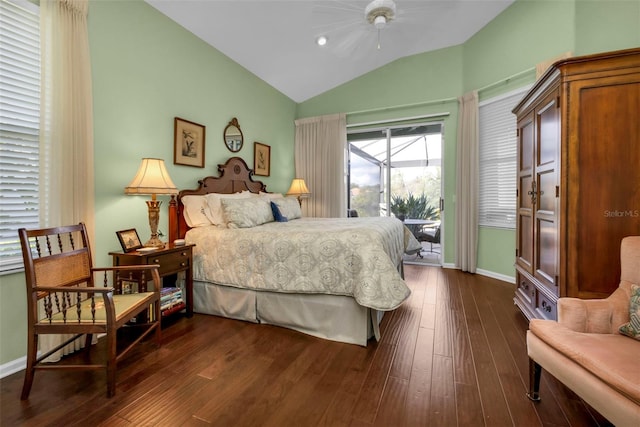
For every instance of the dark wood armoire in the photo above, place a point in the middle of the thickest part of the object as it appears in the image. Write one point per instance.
(578, 179)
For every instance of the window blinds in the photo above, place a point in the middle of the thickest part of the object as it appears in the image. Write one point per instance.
(498, 152)
(19, 125)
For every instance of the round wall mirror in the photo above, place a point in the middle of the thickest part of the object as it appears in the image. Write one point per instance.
(233, 136)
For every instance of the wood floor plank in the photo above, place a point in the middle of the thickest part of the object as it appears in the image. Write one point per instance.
(521, 411)
(392, 404)
(369, 397)
(494, 405)
(443, 395)
(419, 389)
(406, 345)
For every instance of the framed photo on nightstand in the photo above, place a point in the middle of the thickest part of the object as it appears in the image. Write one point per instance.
(129, 239)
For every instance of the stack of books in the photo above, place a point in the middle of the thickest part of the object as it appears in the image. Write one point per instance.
(171, 300)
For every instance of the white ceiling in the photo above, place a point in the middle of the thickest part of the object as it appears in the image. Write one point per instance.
(275, 39)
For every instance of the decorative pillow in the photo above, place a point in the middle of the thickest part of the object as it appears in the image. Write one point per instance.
(215, 213)
(632, 329)
(289, 207)
(271, 196)
(276, 213)
(247, 212)
(195, 211)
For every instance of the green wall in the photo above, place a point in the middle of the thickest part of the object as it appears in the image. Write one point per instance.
(147, 70)
(526, 33)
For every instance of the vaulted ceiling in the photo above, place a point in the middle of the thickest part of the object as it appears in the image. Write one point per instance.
(276, 39)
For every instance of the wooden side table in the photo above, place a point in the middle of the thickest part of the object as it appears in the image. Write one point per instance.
(172, 259)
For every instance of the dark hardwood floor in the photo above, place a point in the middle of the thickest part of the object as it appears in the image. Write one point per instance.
(453, 354)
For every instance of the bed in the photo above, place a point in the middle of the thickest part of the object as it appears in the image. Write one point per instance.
(330, 278)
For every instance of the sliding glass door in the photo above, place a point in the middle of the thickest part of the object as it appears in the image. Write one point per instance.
(396, 171)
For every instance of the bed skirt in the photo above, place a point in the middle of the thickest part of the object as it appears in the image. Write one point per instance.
(332, 317)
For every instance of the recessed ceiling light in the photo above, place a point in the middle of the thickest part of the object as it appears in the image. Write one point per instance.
(321, 41)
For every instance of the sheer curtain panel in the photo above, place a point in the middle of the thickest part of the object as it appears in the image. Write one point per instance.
(467, 183)
(320, 159)
(66, 122)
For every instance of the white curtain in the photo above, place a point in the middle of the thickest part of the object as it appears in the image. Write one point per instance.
(66, 124)
(320, 146)
(467, 183)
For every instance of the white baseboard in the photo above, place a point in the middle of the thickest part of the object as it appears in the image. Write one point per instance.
(486, 273)
(13, 366)
(498, 276)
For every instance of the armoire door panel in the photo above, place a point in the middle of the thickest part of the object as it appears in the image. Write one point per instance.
(525, 243)
(547, 256)
(526, 148)
(524, 190)
(548, 131)
(547, 200)
(607, 191)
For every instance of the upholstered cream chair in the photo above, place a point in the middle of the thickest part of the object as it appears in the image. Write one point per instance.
(585, 351)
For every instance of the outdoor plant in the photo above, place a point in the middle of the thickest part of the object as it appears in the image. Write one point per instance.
(413, 207)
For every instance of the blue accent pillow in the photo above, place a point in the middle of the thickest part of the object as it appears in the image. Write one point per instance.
(276, 213)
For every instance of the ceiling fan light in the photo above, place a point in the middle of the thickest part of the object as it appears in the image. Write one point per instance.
(379, 22)
(321, 41)
(380, 8)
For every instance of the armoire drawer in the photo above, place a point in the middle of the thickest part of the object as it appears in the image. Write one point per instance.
(546, 308)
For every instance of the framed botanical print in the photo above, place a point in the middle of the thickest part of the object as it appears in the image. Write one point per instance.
(188, 143)
(261, 159)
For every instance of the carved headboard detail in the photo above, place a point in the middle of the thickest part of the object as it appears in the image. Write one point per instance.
(235, 176)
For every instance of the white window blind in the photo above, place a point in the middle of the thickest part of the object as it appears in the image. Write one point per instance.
(498, 151)
(19, 126)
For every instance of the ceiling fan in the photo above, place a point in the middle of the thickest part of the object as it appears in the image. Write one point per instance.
(379, 13)
(351, 28)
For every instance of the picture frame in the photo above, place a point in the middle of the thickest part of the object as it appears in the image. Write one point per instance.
(188, 143)
(129, 240)
(261, 159)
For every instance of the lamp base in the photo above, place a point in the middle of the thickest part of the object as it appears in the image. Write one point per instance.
(154, 242)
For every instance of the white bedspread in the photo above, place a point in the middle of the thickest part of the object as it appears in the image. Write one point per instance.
(356, 257)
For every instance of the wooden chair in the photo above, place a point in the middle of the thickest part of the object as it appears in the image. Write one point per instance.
(63, 298)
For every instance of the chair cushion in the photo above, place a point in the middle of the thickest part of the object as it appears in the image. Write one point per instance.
(632, 328)
(611, 357)
(123, 304)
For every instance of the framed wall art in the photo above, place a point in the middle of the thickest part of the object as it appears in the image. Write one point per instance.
(129, 239)
(261, 159)
(188, 141)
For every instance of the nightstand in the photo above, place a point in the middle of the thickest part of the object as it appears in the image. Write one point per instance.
(172, 260)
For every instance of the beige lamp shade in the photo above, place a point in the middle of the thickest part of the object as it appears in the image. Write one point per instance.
(152, 178)
(298, 188)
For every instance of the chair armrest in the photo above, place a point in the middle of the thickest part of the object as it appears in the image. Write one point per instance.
(74, 289)
(600, 316)
(155, 274)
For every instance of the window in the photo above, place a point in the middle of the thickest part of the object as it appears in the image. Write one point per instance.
(19, 126)
(498, 151)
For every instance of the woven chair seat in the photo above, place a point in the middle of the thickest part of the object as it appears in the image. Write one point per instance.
(123, 304)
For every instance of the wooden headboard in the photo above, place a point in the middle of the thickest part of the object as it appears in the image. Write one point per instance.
(235, 176)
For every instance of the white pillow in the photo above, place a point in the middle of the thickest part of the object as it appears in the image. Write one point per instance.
(247, 212)
(271, 196)
(289, 207)
(215, 213)
(195, 209)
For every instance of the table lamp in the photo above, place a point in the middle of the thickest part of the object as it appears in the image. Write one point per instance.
(299, 189)
(152, 178)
